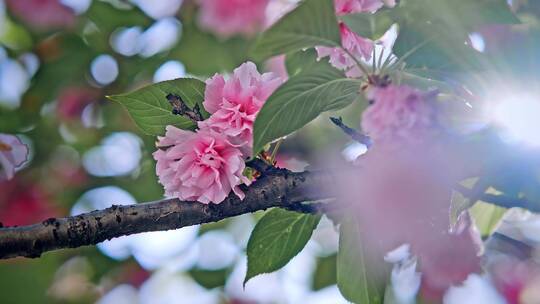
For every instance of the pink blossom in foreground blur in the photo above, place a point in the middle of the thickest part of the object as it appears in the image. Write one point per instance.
(516, 279)
(401, 194)
(401, 191)
(344, 7)
(13, 153)
(234, 103)
(398, 113)
(277, 66)
(42, 14)
(229, 17)
(202, 166)
(358, 46)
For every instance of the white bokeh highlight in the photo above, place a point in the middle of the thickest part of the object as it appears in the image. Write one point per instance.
(14, 81)
(104, 69)
(125, 40)
(518, 116)
(78, 6)
(161, 36)
(158, 9)
(118, 154)
(170, 70)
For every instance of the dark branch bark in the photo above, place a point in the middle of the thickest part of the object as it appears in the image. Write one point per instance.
(500, 200)
(277, 188)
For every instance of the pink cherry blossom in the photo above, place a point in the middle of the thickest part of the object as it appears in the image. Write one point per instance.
(230, 17)
(13, 153)
(73, 100)
(344, 7)
(234, 103)
(42, 14)
(398, 112)
(202, 166)
(277, 66)
(358, 46)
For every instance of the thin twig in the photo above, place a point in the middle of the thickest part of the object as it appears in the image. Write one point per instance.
(354, 134)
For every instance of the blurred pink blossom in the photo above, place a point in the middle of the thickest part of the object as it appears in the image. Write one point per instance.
(42, 14)
(13, 153)
(358, 46)
(202, 166)
(401, 194)
(398, 113)
(25, 203)
(277, 9)
(234, 103)
(402, 187)
(344, 7)
(229, 17)
(277, 66)
(516, 280)
(73, 100)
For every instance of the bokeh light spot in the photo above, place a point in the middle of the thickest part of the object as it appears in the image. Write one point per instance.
(171, 69)
(104, 69)
(519, 116)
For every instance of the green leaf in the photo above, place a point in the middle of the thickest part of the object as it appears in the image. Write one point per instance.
(472, 14)
(152, 112)
(463, 15)
(425, 79)
(209, 278)
(303, 61)
(14, 36)
(325, 272)
(458, 205)
(486, 217)
(300, 100)
(440, 29)
(311, 24)
(369, 25)
(278, 237)
(361, 272)
(423, 45)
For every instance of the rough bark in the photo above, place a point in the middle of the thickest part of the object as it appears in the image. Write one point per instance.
(277, 188)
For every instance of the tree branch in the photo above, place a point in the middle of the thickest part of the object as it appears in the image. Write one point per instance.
(354, 134)
(500, 200)
(277, 188)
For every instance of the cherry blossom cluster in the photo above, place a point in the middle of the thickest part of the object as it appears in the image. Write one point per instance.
(398, 112)
(13, 154)
(352, 43)
(206, 165)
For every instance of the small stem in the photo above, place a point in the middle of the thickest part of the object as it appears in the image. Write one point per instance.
(355, 135)
(276, 148)
(380, 59)
(358, 63)
(374, 61)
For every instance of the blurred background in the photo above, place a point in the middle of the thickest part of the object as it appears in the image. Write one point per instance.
(58, 61)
